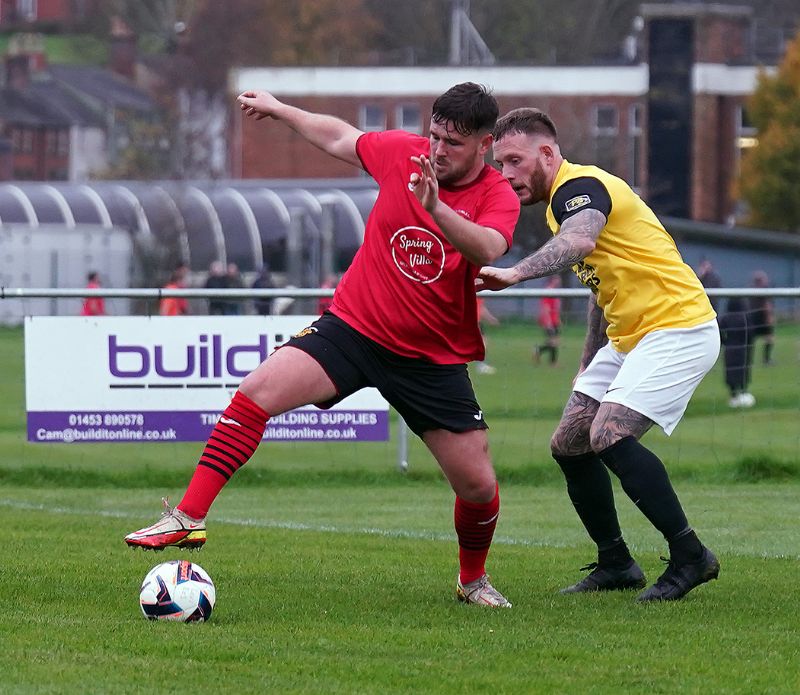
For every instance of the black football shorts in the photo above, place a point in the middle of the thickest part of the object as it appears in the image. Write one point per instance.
(428, 396)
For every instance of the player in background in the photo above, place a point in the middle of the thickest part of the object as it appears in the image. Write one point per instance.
(652, 336)
(485, 318)
(403, 317)
(550, 321)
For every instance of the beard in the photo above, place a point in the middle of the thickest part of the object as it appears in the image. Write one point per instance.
(537, 186)
(452, 176)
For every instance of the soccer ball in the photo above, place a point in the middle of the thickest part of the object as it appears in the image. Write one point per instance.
(178, 590)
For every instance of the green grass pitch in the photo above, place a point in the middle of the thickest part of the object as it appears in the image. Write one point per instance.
(335, 573)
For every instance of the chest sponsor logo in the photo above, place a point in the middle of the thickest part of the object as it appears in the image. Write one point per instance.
(418, 254)
(587, 275)
(578, 201)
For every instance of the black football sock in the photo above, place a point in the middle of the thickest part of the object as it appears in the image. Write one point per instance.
(767, 353)
(553, 355)
(644, 479)
(685, 548)
(589, 489)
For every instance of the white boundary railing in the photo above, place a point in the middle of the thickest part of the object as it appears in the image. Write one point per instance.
(315, 292)
(300, 292)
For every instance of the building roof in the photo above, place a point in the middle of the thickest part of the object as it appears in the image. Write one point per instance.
(22, 107)
(103, 86)
(67, 95)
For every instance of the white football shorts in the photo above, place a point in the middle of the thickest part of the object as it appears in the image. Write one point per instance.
(658, 377)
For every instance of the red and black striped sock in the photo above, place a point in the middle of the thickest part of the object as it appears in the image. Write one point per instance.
(231, 444)
(475, 523)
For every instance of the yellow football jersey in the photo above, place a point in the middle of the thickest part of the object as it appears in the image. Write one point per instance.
(636, 272)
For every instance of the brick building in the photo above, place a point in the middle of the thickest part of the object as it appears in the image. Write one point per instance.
(17, 13)
(63, 122)
(671, 123)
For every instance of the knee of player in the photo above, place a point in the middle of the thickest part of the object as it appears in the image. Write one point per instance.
(479, 488)
(564, 443)
(600, 438)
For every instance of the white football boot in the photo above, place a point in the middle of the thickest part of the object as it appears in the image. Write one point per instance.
(174, 529)
(482, 593)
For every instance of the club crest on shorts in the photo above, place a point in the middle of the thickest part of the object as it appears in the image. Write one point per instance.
(578, 201)
(306, 331)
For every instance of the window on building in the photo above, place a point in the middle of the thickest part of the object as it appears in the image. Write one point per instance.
(635, 146)
(409, 117)
(746, 134)
(605, 128)
(22, 140)
(63, 142)
(372, 118)
(27, 9)
(51, 141)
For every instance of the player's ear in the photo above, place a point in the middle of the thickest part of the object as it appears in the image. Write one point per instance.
(486, 143)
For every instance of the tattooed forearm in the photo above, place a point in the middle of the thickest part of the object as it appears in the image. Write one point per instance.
(595, 333)
(574, 241)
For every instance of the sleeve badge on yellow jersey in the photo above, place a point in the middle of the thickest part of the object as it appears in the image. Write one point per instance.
(577, 202)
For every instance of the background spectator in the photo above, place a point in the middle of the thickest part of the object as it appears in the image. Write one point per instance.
(263, 281)
(736, 340)
(216, 280)
(233, 307)
(709, 278)
(175, 306)
(761, 317)
(93, 306)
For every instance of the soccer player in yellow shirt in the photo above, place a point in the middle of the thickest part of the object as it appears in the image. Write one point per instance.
(652, 336)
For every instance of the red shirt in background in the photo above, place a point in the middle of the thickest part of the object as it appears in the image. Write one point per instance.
(550, 312)
(93, 306)
(173, 306)
(408, 288)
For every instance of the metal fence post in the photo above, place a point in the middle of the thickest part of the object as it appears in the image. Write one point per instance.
(402, 445)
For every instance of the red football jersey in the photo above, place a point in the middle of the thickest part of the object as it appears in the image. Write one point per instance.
(550, 312)
(408, 288)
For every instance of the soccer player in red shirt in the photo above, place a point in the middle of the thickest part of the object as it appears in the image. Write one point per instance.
(550, 321)
(403, 318)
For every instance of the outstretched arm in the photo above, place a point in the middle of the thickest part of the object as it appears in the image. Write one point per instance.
(332, 135)
(575, 240)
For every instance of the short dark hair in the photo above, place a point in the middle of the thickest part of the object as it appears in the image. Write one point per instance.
(528, 121)
(470, 107)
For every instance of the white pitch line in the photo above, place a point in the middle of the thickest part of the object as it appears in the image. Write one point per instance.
(288, 525)
(359, 530)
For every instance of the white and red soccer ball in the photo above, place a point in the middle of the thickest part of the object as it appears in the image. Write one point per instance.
(177, 590)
